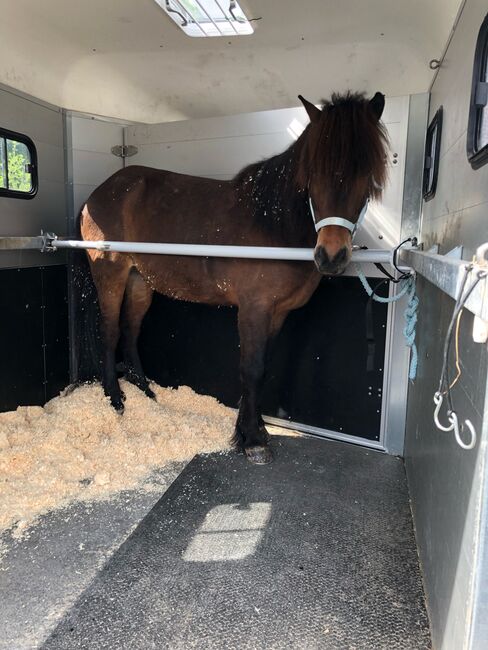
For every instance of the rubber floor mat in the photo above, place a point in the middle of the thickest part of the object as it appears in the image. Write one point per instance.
(315, 550)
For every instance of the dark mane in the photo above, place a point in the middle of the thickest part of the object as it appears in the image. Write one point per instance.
(347, 142)
(271, 187)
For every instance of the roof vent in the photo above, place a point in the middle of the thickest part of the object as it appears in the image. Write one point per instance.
(207, 17)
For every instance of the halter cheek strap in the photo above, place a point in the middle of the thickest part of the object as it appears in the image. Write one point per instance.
(339, 221)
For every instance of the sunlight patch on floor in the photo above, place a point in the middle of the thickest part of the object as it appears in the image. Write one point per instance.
(229, 532)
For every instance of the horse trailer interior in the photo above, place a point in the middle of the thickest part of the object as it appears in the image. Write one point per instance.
(138, 525)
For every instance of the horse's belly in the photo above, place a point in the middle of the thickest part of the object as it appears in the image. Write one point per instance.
(186, 279)
(207, 294)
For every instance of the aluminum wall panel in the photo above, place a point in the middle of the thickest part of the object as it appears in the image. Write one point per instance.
(92, 160)
(444, 479)
(22, 111)
(446, 482)
(414, 163)
(458, 213)
(47, 210)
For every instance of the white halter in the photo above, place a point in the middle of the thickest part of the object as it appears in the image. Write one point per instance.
(338, 221)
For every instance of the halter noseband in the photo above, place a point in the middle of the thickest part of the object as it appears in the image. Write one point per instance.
(339, 221)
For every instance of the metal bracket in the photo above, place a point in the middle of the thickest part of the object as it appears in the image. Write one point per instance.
(447, 271)
(124, 150)
(47, 239)
(455, 253)
(42, 242)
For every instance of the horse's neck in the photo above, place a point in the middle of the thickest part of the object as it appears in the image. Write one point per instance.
(279, 207)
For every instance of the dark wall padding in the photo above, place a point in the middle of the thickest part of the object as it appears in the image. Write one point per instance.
(34, 335)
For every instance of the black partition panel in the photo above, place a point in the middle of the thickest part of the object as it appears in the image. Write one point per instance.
(34, 335)
(326, 368)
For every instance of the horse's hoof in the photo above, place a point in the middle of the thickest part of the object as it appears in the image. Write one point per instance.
(149, 393)
(118, 407)
(118, 404)
(259, 455)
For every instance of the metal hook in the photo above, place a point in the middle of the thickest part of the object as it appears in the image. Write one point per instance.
(438, 399)
(453, 418)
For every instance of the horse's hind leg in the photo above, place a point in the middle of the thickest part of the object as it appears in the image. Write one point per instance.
(137, 300)
(110, 277)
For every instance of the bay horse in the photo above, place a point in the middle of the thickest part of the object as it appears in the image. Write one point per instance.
(337, 163)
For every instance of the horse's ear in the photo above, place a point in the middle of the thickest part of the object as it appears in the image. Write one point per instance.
(377, 104)
(312, 111)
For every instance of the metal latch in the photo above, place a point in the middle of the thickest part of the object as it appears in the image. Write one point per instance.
(124, 150)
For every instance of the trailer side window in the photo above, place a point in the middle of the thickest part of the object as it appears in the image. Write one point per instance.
(477, 143)
(18, 165)
(432, 154)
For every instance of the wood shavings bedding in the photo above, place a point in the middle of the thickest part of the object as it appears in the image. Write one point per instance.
(78, 448)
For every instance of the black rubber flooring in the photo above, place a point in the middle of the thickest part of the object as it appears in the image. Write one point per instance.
(314, 551)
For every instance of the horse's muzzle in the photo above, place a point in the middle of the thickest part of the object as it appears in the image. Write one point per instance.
(331, 266)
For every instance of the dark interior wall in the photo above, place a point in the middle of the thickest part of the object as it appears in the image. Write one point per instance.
(34, 335)
(322, 372)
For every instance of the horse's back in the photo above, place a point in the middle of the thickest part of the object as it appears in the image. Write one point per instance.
(144, 203)
(136, 179)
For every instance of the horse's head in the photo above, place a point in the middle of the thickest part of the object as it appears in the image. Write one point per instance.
(343, 164)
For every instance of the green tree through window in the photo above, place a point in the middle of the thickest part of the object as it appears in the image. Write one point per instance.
(3, 167)
(18, 161)
(18, 173)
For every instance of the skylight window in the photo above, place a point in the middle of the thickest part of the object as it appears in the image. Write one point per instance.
(207, 17)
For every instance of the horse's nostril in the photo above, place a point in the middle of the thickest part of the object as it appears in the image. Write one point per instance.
(321, 257)
(328, 265)
(340, 257)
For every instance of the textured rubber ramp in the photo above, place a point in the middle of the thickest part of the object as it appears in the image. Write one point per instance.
(313, 551)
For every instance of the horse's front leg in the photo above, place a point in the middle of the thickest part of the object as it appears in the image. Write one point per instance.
(255, 328)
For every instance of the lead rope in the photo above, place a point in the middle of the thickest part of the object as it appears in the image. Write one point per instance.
(407, 284)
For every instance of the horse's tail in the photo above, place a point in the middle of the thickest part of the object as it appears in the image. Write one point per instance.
(86, 355)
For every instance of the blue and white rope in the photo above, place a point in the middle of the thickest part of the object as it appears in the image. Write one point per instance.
(409, 331)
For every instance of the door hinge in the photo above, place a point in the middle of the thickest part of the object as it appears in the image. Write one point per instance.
(124, 150)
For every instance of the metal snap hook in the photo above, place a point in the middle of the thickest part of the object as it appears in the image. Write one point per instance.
(453, 418)
(438, 399)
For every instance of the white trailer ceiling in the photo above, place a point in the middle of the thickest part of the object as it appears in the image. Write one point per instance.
(127, 59)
